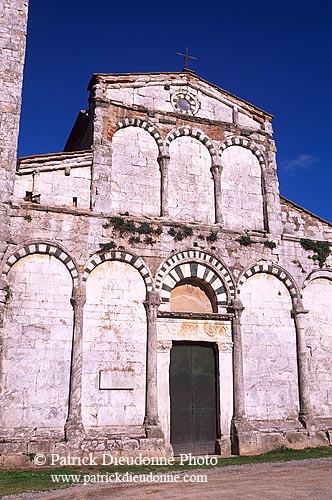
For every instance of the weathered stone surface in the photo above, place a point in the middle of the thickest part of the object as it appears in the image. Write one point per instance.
(13, 15)
(177, 202)
(269, 349)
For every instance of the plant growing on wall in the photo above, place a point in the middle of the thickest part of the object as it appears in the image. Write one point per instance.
(321, 249)
(245, 241)
(106, 247)
(270, 244)
(135, 231)
(179, 233)
(213, 236)
(8, 294)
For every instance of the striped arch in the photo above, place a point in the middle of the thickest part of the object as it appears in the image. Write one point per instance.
(275, 270)
(190, 132)
(245, 143)
(149, 127)
(44, 248)
(318, 273)
(133, 260)
(195, 264)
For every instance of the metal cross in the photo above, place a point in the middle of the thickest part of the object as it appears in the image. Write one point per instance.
(186, 57)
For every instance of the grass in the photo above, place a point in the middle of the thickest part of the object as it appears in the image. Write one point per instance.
(19, 481)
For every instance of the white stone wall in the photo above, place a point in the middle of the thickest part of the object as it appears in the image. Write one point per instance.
(135, 185)
(13, 22)
(56, 188)
(241, 188)
(37, 344)
(190, 189)
(269, 349)
(114, 343)
(210, 103)
(317, 298)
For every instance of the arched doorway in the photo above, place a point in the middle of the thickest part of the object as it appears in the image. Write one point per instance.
(193, 376)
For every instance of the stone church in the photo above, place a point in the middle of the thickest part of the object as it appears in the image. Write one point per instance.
(157, 294)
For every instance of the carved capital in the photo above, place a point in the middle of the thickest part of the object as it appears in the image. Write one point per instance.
(163, 161)
(298, 308)
(164, 345)
(226, 347)
(237, 305)
(153, 299)
(78, 296)
(216, 171)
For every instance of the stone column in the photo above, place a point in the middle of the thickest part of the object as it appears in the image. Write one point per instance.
(305, 414)
(242, 437)
(151, 420)
(216, 171)
(74, 427)
(239, 409)
(163, 161)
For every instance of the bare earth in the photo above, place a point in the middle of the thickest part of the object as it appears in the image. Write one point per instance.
(300, 480)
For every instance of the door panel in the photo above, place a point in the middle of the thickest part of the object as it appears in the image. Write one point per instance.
(193, 399)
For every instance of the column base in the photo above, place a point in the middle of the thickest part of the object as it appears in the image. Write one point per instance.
(74, 430)
(307, 421)
(243, 437)
(154, 431)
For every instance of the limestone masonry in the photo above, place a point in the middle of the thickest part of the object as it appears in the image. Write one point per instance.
(157, 294)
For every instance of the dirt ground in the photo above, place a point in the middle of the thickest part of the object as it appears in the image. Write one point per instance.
(300, 480)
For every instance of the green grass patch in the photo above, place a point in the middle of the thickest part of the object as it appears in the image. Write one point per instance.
(20, 481)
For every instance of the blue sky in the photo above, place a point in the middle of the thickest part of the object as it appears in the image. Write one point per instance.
(276, 55)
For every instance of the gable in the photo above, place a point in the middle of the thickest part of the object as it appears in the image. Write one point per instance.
(181, 94)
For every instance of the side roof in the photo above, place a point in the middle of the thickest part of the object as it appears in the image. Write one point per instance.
(287, 202)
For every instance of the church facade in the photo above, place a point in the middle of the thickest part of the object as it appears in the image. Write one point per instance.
(158, 295)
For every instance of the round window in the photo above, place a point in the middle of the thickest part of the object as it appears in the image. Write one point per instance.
(183, 104)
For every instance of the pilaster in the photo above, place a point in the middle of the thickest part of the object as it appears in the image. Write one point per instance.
(100, 200)
(272, 208)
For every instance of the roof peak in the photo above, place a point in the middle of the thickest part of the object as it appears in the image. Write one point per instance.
(190, 74)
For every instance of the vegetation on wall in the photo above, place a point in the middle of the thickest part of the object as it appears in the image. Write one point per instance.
(106, 247)
(270, 244)
(245, 241)
(212, 237)
(321, 249)
(179, 233)
(127, 226)
(8, 293)
(141, 232)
